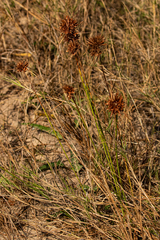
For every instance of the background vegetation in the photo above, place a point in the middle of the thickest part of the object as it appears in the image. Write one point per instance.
(71, 167)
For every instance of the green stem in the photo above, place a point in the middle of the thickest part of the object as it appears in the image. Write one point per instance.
(100, 131)
(116, 150)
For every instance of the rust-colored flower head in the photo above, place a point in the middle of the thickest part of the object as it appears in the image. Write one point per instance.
(116, 104)
(69, 91)
(73, 47)
(95, 44)
(22, 66)
(68, 29)
(71, 37)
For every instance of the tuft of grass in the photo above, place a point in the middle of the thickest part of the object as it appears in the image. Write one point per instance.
(83, 159)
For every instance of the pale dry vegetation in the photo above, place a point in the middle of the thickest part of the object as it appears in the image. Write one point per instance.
(80, 122)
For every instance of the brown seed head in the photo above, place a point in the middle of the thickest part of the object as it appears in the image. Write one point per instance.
(73, 47)
(95, 44)
(71, 37)
(116, 104)
(69, 91)
(22, 66)
(68, 29)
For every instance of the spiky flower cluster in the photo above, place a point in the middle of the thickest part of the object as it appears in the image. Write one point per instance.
(69, 91)
(115, 104)
(95, 44)
(22, 66)
(68, 29)
(73, 47)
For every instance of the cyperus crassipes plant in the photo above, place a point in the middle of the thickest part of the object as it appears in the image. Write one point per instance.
(95, 45)
(69, 91)
(115, 104)
(68, 29)
(22, 66)
(73, 47)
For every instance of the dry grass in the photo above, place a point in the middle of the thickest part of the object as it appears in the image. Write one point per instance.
(71, 166)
